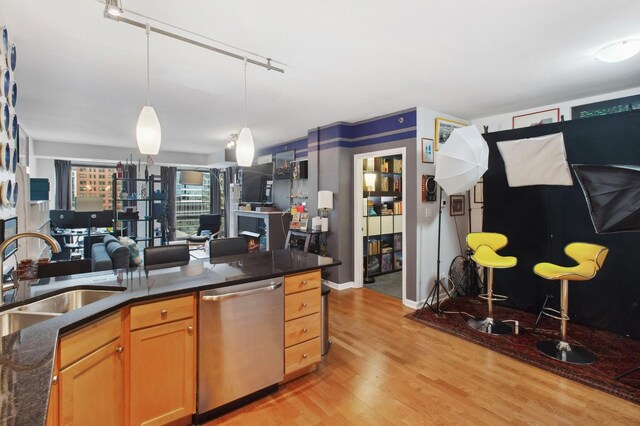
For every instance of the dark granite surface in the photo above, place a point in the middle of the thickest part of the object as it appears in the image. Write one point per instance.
(27, 356)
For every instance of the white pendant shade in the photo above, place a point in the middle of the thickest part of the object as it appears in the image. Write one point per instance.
(149, 133)
(619, 51)
(245, 149)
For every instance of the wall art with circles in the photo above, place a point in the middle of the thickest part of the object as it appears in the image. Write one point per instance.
(9, 127)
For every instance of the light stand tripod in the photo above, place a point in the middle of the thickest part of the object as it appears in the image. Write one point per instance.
(435, 290)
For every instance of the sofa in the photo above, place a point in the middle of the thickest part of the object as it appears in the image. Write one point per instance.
(109, 254)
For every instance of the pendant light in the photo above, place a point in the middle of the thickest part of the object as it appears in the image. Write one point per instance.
(245, 147)
(148, 131)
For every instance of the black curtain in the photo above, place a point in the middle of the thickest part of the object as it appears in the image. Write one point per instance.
(540, 221)
(63, 184)
(215, 191)
(168, 177)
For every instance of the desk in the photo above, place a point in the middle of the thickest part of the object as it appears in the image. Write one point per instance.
(78, 238)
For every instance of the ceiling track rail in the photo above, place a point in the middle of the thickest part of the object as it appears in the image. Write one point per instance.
(267, 65)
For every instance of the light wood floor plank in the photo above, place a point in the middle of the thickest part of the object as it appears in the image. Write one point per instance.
(383, 369)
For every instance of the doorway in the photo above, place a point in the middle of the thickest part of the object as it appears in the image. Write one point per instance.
(379, 221)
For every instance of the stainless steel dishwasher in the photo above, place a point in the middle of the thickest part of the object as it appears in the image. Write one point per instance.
(241, 342)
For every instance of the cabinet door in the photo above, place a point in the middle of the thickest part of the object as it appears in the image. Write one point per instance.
(91, 389)
(162, 376)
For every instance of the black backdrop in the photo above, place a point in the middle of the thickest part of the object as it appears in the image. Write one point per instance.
(540, 221)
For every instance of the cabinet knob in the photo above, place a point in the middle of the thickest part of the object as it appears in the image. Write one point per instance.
(305, 282)
(164, 313)
(119, 349)
(305, 356)
(304, 330)
(304, 304)
(54, 379)
(190, 329)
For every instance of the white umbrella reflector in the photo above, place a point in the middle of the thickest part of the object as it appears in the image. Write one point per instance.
(462, 160)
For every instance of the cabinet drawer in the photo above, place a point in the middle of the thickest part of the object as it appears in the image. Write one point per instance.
(301, 355)
(161, 312)
(301, 304)
(88, 339)
(301, 329)
(301, 282)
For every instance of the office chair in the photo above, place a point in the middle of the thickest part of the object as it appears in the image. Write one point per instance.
(227, 247)
(208, 222)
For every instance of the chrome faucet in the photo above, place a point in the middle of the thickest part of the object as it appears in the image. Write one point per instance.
(55, 248)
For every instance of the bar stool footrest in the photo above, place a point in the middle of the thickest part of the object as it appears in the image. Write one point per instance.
(495, 298)
(555, 314)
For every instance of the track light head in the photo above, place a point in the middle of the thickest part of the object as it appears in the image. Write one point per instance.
(113, 7)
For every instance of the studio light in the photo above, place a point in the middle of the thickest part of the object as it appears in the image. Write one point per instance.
(619, 51)
(245, 147)
(148, 130)
(113, 7)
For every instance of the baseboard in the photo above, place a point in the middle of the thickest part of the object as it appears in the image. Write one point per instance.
(342, 286)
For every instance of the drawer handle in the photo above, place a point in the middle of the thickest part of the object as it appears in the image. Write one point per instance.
(163, 313)
(304, 356)
(304, 304)
(119, 349)
(190, 329)
(54, 379)
(305, 282)
(304, 330)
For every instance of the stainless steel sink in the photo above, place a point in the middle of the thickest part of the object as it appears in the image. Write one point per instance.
(67, 302)
(12, 321)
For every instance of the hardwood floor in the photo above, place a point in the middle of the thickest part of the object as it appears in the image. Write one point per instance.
(385, 369)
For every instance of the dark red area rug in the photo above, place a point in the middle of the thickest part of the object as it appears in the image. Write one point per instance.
(615, 354)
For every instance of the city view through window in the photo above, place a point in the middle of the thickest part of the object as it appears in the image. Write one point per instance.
(191, 202)
(92, 182)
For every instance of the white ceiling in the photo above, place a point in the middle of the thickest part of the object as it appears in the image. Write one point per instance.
(81, 77)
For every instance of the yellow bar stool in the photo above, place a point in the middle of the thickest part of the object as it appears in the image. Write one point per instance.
(484, 246)
(590, 258)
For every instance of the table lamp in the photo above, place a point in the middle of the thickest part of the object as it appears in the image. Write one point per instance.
(325, 203)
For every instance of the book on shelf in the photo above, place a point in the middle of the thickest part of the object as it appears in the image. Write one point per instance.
(397, 184)
(369, 164)
(397, 207)
(397, 166)
(384, 183)
(374, 247)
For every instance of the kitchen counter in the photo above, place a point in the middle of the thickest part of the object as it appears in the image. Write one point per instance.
(27, 356)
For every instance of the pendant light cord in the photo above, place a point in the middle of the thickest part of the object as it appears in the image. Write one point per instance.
(245, 91)
(148, 31)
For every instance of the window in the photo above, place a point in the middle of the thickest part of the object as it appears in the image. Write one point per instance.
(93, 182)
(191, 202)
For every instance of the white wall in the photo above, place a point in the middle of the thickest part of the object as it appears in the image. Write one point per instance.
(427, 216)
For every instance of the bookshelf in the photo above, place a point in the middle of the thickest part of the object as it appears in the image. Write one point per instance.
(382, 216)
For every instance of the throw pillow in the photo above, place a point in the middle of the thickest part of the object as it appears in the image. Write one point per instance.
(135, 257)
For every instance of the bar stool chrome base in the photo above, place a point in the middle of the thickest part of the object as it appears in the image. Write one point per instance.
(490, 326)
(562, 351)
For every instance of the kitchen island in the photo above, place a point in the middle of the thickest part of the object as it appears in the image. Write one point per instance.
(28, 357)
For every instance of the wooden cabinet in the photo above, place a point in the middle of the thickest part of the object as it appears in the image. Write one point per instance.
(162, 361)
(302, 323)
(90, 380)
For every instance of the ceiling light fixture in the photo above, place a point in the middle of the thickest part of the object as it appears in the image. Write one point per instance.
(619, 51)
(245, 148)
(148, 131)
(113, 7)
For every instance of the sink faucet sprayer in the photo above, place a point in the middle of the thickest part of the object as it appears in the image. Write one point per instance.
(55, 248)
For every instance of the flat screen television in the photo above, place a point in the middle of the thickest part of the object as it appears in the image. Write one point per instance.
(254, 183)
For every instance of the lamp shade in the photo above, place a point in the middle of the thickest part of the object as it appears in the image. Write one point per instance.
(245, 149)
(113, 7)
(325, 200)
(191, 177)
(148, 131)
(370, 181)
(462, 161)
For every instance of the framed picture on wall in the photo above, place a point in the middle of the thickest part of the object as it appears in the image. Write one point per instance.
(536, 118)
(427, 150)
(456, 205)
(444, 127)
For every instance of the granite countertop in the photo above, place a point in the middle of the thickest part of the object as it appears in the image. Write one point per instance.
(27, 356)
